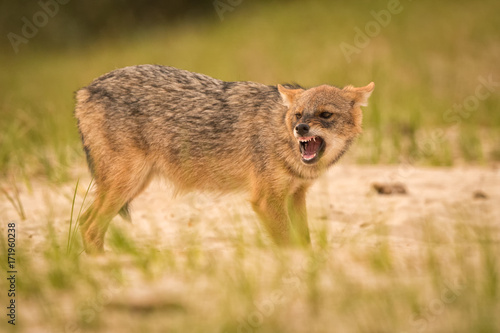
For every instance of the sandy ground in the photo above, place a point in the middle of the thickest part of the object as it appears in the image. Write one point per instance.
(343, 200)
(343, 205)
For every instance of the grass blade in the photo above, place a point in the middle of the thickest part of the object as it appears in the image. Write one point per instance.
(77, 222)
(71, 216)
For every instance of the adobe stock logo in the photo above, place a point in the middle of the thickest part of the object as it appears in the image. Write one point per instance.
(30, 28)
(225, 6)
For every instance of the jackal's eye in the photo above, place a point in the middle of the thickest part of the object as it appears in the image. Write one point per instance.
(325, 115)
(298, 115)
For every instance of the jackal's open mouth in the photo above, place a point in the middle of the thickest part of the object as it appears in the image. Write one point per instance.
(311, 148)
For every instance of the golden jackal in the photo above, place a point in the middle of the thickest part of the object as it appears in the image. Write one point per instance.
(205, 134)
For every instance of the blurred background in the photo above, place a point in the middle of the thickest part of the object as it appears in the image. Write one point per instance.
(435, 65)
(422, 262)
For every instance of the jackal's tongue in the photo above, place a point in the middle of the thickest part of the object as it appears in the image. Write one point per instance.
(310, 148)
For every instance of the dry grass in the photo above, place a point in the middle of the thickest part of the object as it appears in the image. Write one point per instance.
(423, 262)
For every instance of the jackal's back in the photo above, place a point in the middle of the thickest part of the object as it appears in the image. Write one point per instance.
(199, 130)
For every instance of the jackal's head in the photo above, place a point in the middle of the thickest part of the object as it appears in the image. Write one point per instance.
(324, 120)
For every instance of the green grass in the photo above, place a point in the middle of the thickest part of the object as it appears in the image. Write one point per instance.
(424, 62)
(427, 59)
(366, 282)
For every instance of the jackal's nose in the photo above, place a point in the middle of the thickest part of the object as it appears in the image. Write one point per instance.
(302, 129)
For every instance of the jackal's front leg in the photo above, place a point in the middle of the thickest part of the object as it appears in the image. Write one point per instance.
(272, 211)
(298, 216)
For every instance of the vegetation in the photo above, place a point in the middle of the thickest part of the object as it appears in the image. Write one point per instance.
(426, 62)
(223, 275)
(430, 106)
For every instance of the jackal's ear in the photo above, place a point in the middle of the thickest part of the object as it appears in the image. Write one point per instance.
(289, 95)
(361, 94)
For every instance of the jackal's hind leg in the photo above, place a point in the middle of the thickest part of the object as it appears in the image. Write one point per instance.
(111, 198)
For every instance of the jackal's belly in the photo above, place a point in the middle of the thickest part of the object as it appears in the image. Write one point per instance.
(211, 172)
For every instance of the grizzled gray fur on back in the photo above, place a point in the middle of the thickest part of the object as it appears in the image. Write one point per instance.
(149, 103)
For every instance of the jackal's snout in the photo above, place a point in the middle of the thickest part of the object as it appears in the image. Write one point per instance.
(302, 129)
